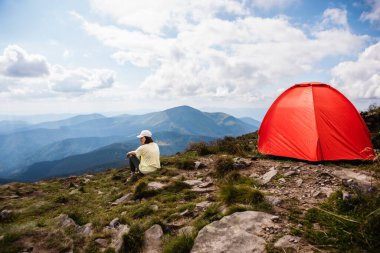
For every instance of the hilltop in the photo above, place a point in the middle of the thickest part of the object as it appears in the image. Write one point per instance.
(214, 193)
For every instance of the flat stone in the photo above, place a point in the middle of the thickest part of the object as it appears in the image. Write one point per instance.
(290, 173)
(203, 190)
(156, 185)
(362, 179)
(127, 197)
(240, 232)
(193, 182)
(269, 175)
(205, 184)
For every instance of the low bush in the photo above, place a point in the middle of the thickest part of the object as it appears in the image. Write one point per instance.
(133, 241)
(142, 191)
(179, 244)
(223, 166)
(241, 194)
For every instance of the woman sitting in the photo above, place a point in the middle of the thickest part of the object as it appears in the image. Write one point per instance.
(146, 158)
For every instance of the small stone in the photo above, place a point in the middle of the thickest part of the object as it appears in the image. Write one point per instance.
(199, 165)
(287, 242)
(6, 214)
(282, 180)
(102, 242)
(275, 218)
(346, 195)
(154, 207)
(114, 223)
(202, 205)
(185, 213)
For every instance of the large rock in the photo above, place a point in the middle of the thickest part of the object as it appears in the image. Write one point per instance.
(153, 239)
(238, 233)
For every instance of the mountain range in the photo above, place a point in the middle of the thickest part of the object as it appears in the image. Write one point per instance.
(95, 142)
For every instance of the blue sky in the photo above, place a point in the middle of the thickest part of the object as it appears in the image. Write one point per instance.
(128, 56)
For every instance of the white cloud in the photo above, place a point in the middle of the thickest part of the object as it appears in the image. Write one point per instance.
(335, 17)
(16, 62)
(372, 16)
(18, 66)
(217, 57)
(270, 4)
(361, 78)
(81, 80)
(153, 16)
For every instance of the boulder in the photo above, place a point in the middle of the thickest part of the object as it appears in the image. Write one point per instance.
(153, 239)
(241, 232)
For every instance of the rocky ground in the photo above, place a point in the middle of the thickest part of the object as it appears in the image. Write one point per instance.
(173, 204)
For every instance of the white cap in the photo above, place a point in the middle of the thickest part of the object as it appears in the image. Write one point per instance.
(144, 133)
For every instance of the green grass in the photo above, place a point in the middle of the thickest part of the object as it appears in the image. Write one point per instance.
(240, 194)
(179, 244)
(346, 226)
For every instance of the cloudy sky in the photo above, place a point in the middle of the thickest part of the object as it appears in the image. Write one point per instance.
(124, 56)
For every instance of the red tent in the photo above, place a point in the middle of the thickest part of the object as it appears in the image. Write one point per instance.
(314, 122)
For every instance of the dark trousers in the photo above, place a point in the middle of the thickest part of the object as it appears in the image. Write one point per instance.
(134, 163)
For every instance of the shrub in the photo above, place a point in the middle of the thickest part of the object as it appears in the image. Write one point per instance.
(61, 199)
(78, 217)
(223, 166)
(142, 191)
(179, 244)
(202, 148)
(242, 194)
(133, 241)
(185, 163)
(142, 211)
(177, 186)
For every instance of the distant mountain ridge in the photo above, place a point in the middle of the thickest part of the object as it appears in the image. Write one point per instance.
(50, 141)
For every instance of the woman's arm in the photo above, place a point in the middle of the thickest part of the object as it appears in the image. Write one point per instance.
(131, 153)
